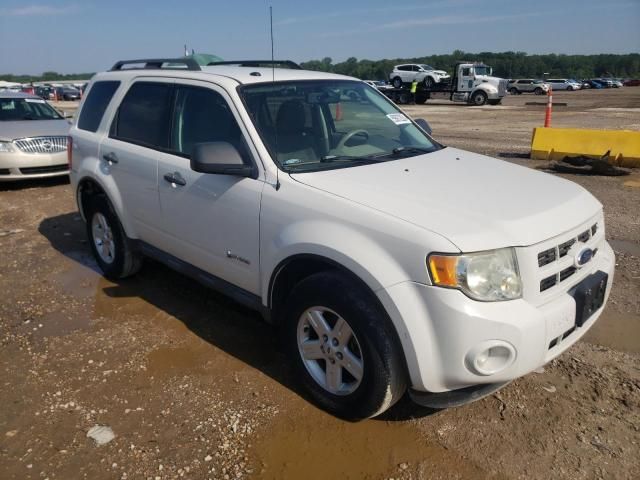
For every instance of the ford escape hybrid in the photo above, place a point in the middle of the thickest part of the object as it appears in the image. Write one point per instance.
(389, 262)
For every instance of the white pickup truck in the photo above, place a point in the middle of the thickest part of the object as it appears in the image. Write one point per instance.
(389, 262)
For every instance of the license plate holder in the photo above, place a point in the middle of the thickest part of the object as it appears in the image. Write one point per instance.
(589, 296)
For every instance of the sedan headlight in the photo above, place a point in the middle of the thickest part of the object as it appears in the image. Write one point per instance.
(490, 276)
(5, 147)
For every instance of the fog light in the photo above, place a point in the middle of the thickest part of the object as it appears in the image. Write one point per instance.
(490, 357)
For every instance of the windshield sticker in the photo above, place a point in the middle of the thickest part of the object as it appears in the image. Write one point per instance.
(34, 100)
(292, 161)
(398, 118)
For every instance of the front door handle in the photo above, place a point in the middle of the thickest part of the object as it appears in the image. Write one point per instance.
(175, 179)
(110, 157)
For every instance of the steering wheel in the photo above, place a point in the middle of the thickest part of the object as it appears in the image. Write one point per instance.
(349, 135)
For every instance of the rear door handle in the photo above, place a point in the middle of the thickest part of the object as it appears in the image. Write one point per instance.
(175, 178)
(110, 157)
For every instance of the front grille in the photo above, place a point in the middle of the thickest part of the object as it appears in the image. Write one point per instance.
(502, 88)
(552, 255)
(42, 144)
(5, 171)
(49, 169)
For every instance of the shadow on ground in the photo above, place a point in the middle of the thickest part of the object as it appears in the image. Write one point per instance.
(229, 326)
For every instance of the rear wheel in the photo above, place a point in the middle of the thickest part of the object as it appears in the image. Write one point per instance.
(479, 98)
(397, 82)
(343, 347)
(110, 246)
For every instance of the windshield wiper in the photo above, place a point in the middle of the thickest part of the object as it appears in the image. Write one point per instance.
(400, 150)
(347, 158)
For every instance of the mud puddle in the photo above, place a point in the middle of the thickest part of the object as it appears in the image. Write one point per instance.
(620, 331)
(314, 445)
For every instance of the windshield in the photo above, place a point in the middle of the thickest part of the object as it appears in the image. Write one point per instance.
(323, 124)
(482, 70)
(13, 109)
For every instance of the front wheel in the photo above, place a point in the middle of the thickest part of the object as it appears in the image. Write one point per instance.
(397, 82)
(343, 347)
(110, 246)
(479, 98)
(429, 82)
(538, 91)
(569, 88)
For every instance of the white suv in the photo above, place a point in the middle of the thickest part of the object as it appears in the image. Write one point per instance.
(425, 74)
(389, 262)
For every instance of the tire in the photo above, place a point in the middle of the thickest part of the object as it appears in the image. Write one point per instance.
(479, 98)
(513, 91)
(538, 91)
(404, 98)
(569, 88)
(429, 82)
(110, 245)
(315, 307)
(421, 98)
(397, 82)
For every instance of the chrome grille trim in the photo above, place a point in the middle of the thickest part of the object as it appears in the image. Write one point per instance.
(547, 267)
(48, 144)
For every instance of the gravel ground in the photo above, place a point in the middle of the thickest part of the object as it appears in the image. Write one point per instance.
(193, 386)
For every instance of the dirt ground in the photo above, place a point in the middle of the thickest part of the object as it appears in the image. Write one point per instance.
(193, 385)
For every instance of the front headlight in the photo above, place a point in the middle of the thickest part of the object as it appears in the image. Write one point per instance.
(5, 147)
(490, 276)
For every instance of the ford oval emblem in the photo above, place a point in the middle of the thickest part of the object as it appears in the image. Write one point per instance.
(584, 257)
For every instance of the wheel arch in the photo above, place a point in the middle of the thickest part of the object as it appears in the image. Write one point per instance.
(295, 268)
(89, 185)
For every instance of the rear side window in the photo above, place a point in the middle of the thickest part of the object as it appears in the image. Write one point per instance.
(143, 116)
(95, 104)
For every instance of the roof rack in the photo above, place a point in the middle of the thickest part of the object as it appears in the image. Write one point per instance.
(260, 63)
(159, 63)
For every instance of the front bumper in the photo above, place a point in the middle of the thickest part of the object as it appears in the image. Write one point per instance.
(18, 165)
(442, 330)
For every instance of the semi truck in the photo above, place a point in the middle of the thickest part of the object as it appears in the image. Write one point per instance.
(472, 83)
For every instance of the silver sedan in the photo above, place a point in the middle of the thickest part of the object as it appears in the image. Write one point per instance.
(33, 138)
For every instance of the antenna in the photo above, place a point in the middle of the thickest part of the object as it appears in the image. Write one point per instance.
(273, 81)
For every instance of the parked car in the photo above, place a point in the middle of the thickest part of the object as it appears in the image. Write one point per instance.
(527, 85)
(389, 262)
(425, 74)
(605, 82)
(44, 92)
(593, 84)
(563, 84)
(33, 138)
(632, 82)
(67, 93)
(379, 84)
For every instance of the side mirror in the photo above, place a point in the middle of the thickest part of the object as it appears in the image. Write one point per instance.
(424, 125)
(220, 158)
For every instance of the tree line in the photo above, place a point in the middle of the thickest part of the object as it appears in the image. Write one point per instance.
(505, 65)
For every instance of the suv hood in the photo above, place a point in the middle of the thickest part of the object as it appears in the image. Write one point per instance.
(32, 128)
(439, 72)
(477, 202)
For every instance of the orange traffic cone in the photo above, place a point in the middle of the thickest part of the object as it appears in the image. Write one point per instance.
(338, 112)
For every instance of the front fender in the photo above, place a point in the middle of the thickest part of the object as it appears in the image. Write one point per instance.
(339, 243)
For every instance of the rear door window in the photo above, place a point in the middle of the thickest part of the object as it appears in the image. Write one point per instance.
(143, 115)
(96, 103)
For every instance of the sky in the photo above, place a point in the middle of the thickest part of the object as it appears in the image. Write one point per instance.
(70, 36)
